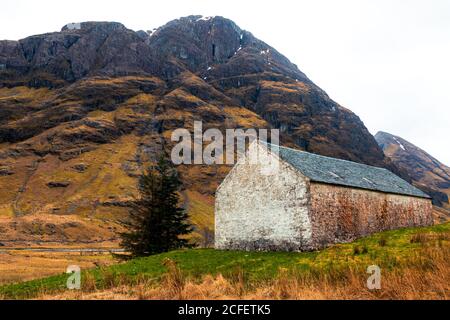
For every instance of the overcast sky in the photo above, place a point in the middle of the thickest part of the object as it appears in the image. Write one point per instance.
(386, 60)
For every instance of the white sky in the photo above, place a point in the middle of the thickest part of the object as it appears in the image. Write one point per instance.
(386, 60)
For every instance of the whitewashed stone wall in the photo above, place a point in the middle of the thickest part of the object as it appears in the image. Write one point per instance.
(260, 209)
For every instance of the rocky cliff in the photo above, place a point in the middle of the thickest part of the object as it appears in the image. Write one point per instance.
(84, 109)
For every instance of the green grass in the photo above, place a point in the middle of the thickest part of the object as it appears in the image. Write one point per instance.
(386, 249)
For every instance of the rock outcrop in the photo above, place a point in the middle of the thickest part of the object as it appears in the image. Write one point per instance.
(101, 95)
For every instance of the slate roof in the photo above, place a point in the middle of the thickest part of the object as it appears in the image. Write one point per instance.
(346, 173)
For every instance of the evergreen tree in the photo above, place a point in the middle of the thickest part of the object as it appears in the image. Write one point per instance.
(157, 220)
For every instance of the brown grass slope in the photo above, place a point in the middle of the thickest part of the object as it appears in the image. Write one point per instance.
(83, 111)
(415, 264)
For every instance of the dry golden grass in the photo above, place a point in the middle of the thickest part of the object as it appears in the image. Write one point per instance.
(426, 275)
(22, 94)
(62, 230)
(242, 117)
(285, 87)
(18, 266)
(142, 99)
(118, 80)
(200, 208)
(441, 215)
(184, 96)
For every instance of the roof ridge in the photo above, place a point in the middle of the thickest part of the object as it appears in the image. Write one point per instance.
(344, 172)
(322, 156)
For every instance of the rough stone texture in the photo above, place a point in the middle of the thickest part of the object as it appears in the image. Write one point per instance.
(286, 211)
(342, 214)
(258, 211)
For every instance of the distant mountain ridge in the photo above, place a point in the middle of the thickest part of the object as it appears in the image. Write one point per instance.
(427, 173)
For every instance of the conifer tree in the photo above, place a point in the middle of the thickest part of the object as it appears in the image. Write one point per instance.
(157, 220)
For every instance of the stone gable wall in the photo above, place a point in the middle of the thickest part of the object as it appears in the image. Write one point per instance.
(257, 211)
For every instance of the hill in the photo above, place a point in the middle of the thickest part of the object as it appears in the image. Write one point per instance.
(426, 172)
(84, 110)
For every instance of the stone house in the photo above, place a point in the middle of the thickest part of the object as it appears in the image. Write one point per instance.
(307, 201)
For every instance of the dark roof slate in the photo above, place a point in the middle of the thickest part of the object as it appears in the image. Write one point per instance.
(346, 173)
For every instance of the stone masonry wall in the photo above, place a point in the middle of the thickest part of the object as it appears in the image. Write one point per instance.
(342, 214)
(262, 211)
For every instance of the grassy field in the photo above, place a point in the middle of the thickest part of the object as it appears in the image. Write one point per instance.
(24, 265)
(414, 263)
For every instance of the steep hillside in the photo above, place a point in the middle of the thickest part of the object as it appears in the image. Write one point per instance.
(83, 110)
(427, 173)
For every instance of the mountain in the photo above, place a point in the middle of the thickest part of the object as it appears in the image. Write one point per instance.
(83, 110)
(427, 173)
